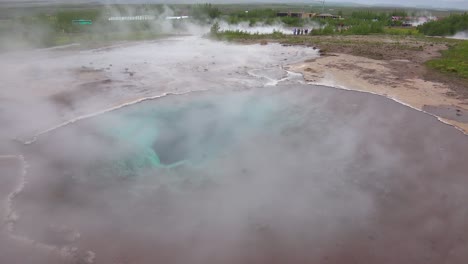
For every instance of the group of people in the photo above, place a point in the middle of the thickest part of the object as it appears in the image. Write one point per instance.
(299, 31)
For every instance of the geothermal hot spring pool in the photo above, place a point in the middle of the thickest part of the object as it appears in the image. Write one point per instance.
(250, 165)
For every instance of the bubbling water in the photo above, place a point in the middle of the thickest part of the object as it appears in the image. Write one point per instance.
(161, 135)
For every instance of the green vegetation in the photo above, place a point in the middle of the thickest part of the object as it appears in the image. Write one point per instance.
(45, 30)
(267, 16)
(454, 60)
(293, 21)
(233, 35)
(326, 30)
(445, 27)
(364, 21)
(204, 12)
(48, 26)
(401, 31)
(214, 29)
(62, 20)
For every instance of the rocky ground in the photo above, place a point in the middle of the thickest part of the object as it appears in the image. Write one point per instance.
(414, 52)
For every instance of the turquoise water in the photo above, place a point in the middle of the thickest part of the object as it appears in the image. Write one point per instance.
(189, 131)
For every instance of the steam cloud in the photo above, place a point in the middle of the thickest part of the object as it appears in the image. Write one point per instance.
(461, 35)
(272, 170)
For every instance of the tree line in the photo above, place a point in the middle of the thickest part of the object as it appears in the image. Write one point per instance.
(448, 26)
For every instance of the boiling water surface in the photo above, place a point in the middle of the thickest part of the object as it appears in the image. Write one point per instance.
(291, 173)
(187, 150)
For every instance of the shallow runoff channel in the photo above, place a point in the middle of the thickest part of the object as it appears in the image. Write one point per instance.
(186, 150)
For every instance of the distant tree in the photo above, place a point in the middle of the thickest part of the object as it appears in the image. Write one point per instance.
(445, 27)
(205, 11)
(213, 12)
(364, 15)
(215, 28)
(399, 13)
(293, 21)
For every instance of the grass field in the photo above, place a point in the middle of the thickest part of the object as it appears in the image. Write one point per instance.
(453, 61)
(402, 31)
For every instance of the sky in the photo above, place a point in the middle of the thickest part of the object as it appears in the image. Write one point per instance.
(459, 4)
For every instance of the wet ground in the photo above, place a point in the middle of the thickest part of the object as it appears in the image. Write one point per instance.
(255, 170)
(44, 88)
(447, 111)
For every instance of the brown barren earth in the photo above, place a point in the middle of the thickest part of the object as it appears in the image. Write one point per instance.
(392, 67)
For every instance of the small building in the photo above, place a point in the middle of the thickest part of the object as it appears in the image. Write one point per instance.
(176, 17)
(296, 14)
(132, 18)
(308, 15)
(327, 16)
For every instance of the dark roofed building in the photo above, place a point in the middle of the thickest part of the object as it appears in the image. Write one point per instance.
(325, 16)
(296, 14)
